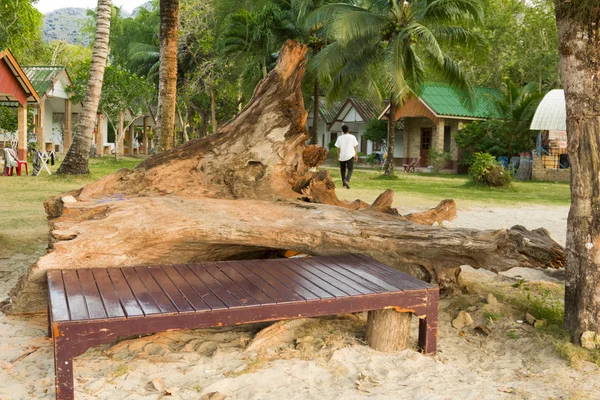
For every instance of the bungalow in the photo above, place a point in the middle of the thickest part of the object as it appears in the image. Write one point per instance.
(433, 119)
(327, 115)
(16, 91)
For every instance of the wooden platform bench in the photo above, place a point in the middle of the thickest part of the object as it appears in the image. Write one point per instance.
(88, 307)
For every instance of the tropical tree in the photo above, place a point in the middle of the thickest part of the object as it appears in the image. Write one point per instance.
(254, 37)
(20, 28)
(579, 47)
(402, 41)
(167, 80)
(506, 133)
(76, 160)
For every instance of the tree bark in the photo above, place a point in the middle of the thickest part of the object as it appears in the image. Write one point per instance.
(76, 160)
(391, 139)
(314, 139)
(388, 330)
(579, 48)
(242, 193)
(167, 80)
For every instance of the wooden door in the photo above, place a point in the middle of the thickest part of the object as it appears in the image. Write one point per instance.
(425, 146)
(363, 145)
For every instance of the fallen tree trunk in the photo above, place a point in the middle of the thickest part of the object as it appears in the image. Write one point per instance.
(246, 192)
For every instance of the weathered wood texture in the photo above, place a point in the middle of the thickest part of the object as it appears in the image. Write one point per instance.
(242, 193)
(388, 330)
(95, 306)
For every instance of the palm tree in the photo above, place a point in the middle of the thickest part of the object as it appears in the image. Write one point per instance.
(256, 35)
(314, 36)
(167, 80)
(401, 40)
(76, 160)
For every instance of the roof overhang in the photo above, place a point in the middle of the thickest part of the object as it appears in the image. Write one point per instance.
(424, 110)
(24, 85)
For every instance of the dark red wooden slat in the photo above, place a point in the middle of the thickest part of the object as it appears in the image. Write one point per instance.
(328, 275)
(58, 299)
(392, 273)
(230, 285)
(227, 298)
(361, 284)
(199, 287)
(186, 290)
(365, 273)
(170, 290)
(75, 298)
(145, 299)
(257, 291)
(293, 286)
(249, 270)
(128, 301)
(94, 303)
(314, 277)
(297, 279)
(112, 305)
(160, 298)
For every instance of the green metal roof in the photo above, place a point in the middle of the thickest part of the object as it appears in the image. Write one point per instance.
(42, 77)
(444, 100)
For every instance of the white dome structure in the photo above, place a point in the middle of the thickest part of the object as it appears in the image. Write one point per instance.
(551, 114)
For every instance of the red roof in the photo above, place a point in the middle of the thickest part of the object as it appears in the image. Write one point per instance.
(14, 84)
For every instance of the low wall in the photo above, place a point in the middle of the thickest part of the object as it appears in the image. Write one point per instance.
(540, 173)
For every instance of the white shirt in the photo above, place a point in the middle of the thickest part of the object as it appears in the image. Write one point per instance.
(346, 143)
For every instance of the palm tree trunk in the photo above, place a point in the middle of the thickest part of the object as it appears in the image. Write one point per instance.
(167, 80)
(579, 47)
(76, 160)
(314, 136)
(213, 103)
(391, 138)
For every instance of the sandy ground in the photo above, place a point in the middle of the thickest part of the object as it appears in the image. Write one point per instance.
(512, 363)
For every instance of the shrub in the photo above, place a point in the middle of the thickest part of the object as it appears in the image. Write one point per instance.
(487, 171)
(372, 159)
(438, 159)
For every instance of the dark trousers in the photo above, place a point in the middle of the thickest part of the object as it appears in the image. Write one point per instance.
(347, 164)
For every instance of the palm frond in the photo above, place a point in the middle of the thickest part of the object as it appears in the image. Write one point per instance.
(453, 75)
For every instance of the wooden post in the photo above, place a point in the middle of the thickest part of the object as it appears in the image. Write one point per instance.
(438, 137)
(388, 330)
(68, 128)
(22, 132)
(39, 127)
(145, 145)
(100, 136)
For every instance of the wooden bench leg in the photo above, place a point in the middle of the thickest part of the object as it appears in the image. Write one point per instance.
(428, 326)
(65, 349)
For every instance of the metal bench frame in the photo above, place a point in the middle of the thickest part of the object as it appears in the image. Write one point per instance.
(74, 331)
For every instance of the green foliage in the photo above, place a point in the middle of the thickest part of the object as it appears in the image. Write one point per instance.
(65, 25)
(8, 119)
(372, 159)
(438, 159)
(20, 29)
(405, 40)
(485, 170)
(509, 135)
(376, 131)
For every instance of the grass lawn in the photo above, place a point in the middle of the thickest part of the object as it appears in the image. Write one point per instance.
(23, 227)
(368, 184)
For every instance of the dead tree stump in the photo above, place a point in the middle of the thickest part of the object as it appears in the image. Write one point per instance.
(388, 330)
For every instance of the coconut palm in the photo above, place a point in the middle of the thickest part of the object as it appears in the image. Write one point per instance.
(76, 160)
(167, 75)
(402, 40)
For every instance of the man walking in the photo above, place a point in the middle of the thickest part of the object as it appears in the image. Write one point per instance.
(348, 146)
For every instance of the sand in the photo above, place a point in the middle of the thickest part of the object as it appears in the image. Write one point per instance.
(512, 363)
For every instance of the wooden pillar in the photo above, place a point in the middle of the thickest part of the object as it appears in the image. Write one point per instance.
(22, 132)
(130, 139)
(39, 127)
(146, 144)
(100, 135)
(388, 330)
(68, 126)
